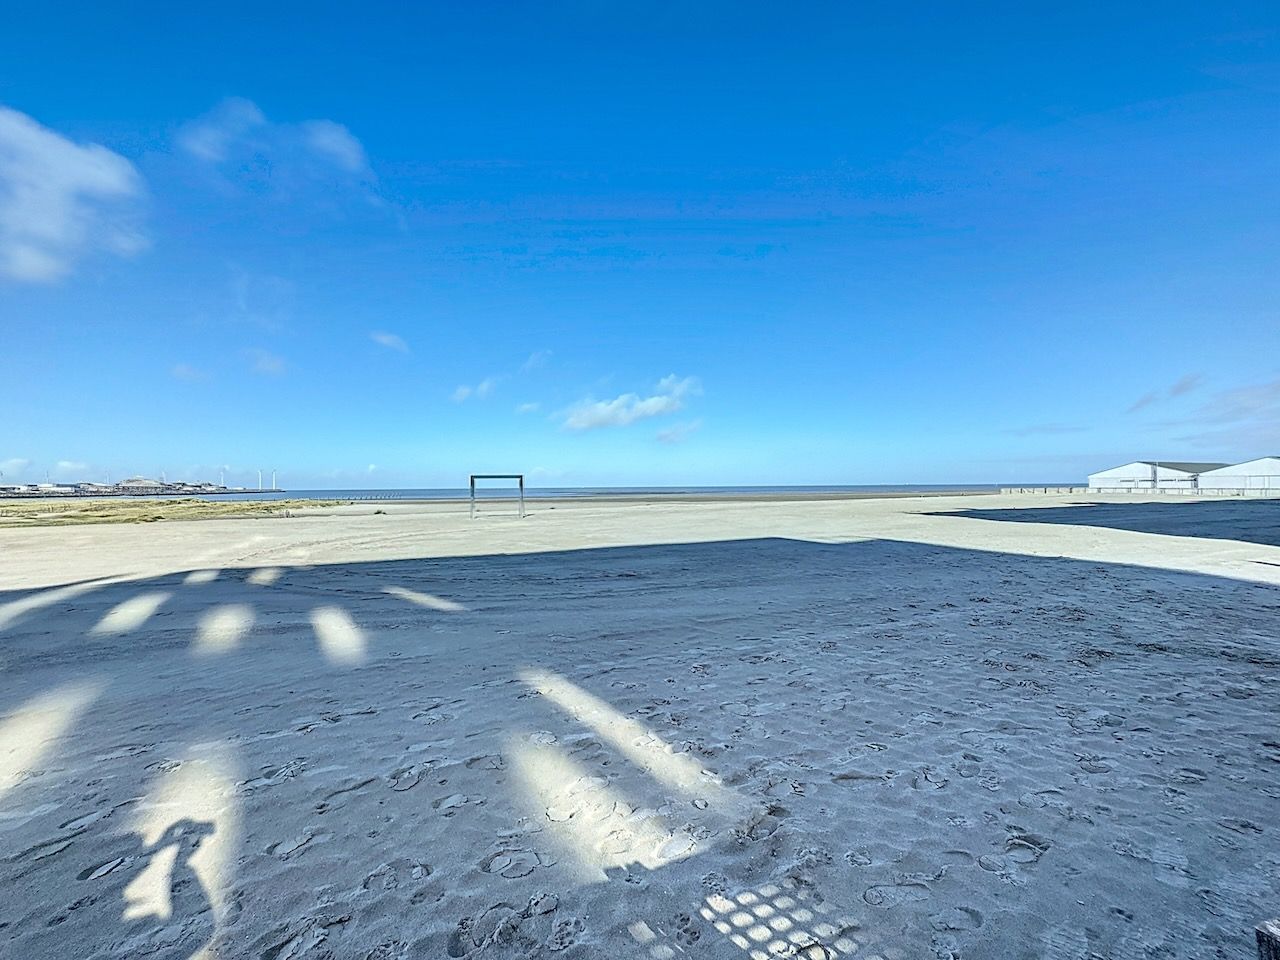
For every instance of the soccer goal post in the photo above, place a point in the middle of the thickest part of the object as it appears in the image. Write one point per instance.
(517, 477)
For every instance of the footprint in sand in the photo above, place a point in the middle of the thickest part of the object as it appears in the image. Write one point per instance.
(41, 851)
(299, 938)
(389, 876)
(431, 718)
(499, 924)
(271, 776)
(957, 918)
(565, 934)
(406, 778)
(514, 863)
(1024, 847)
(331, 800)
(617, 842)
(390, 950)
(687, 932)
(1093, 764)
(450, 805)
(492, 761)
(675, 847)
(286, 849)
(77, 824)
(102, 869)
(891, 895)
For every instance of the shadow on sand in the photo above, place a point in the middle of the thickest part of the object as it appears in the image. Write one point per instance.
(1246, 520)
(744, 749)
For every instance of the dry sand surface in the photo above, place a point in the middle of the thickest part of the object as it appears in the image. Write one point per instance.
(979, 727)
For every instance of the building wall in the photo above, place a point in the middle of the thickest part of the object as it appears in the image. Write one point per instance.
(1139, 476)
(1262, 474)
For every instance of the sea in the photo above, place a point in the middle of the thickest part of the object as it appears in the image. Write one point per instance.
(507, 491)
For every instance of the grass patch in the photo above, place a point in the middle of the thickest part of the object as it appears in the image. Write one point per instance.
(61, 513)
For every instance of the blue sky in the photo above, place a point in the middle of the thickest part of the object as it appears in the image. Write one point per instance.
(392, 244)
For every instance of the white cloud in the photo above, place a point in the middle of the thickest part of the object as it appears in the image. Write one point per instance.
(679, 432)
(184, 371)
(212, 137)
(238, 141)
(527, 408)
(261, 299)
(70, 470)
(265, 362)
(479, 391)
(14, 467)
(389, 340)
(337, 143)
(536, 359)
(669, 397)
(60, 201)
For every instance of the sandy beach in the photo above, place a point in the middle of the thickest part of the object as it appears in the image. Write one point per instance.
(965, 727)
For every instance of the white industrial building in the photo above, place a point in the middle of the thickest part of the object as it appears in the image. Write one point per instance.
(1152, 475)
(1260, 474)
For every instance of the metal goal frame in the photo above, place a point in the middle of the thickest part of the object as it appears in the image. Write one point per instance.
(518, 477)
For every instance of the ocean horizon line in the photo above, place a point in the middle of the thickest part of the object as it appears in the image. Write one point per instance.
(604, 492)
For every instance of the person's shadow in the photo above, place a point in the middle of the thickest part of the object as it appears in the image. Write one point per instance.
(166, 912)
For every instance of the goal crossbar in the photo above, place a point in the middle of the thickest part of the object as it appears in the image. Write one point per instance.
(518, 477)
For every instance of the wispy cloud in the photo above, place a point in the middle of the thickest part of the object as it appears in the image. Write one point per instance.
(536, 359)
(669, 397)
(481, 390)
(261, 299)
(244, 148)
(264, 362)
(333, 140)
(212, 137)
(679, 432)
(70, 470)
(1184, 385)
(389, 340)
(14, 466)
(184, 371)
(60, 201)
(523, 408)
(1243, 403)
(1244, 418)
(1144, 401)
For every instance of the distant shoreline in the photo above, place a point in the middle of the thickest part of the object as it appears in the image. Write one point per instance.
(558, 494)
(102, 495)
